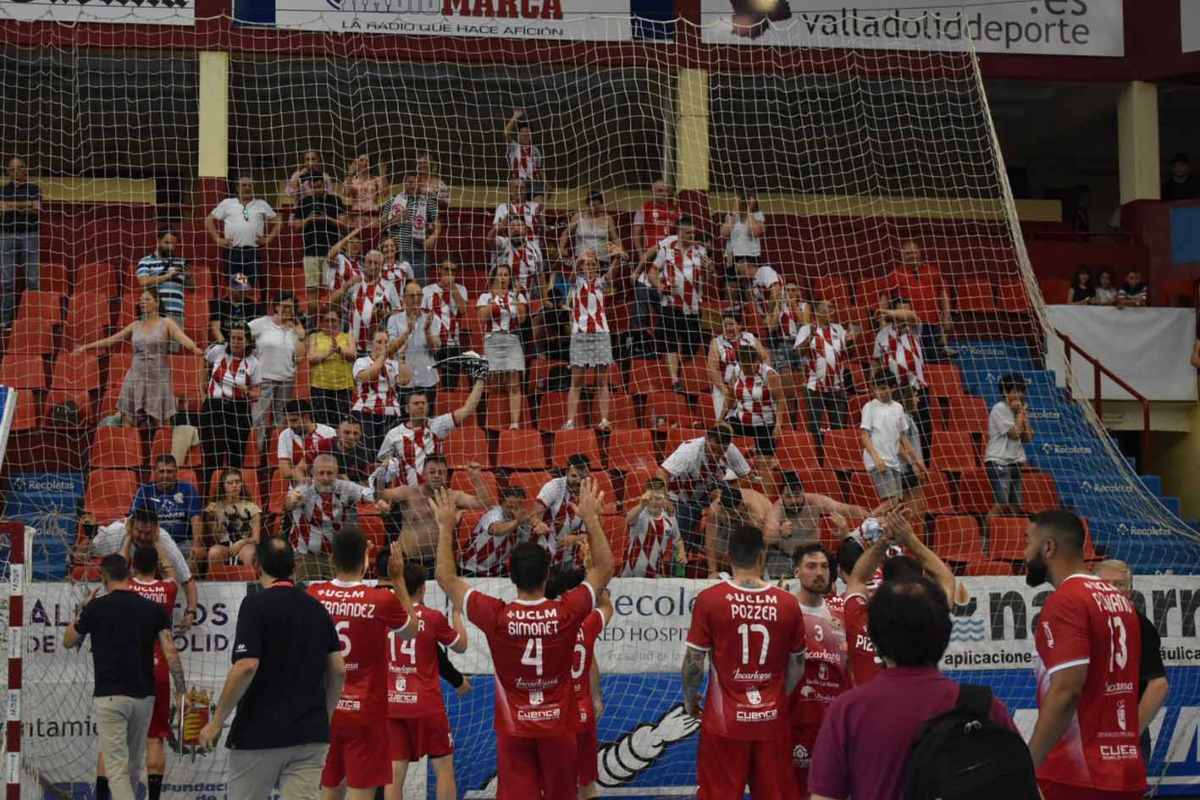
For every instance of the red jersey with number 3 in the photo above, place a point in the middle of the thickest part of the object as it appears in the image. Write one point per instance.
(414, 689)
(860, 650)
(532, 644)
(1087, 622)
(750, 635)
(363, 616)
(581, 663)
(825, 675)
(163, 593)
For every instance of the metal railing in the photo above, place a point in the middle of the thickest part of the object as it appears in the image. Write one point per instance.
(1099, 371)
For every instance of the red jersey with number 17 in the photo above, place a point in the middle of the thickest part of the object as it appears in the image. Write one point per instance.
(750, 636)
(163, 593)
(860, 650)
(581, 663)
(362, 615)
(532, 644)
(1087, 622)
(414, 689)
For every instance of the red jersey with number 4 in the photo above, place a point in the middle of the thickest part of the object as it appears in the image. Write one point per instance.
(163, 593)
(1087, 622)
(413, 682)
(581, 663)
(750, 635)
(825, 675)
(532, 644)
(363, 615)
(860, 650)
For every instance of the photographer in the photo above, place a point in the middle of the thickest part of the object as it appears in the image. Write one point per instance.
(165, 272)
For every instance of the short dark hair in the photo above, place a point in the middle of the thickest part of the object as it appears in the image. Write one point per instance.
(166, 458)
(144, 514)
(1012, 382)
(1063, 526)
(901, 568)
(1180, 158)
(114, 568)
(730, 496)
(300, 407)
(807, 549)
(528, 566)
(885, 380)
(656, 484)
(848, 554)
(899, 300)
(792, 481)
(512, 491)
(909, 622)
(145, 560)
(745, 546)
(684, 219)
(414, 577)
(276, 557)
(167, 231)
(417, 393)
(284, 297)
(579, 460)
(563, 579)
(722, 433)
(348, 549)
(434, 459)
(351, 420)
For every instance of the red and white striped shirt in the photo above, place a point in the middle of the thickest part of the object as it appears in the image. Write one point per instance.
(443, 311)
(502, 310)
(529, 213)
(232, 376)
(680, 271)
(370, 305)
(899, 349)
(486, 554)
(398, 273)
(731, 369)
(753, 403)
(824, 353)
(524, 161)
(411, 446)
(789, 322)
(524, 262)
(377, 396)
(765, 279)
(342, 272)
(652, 541)
(561, 514)
(320, 515)
(587, 306)
(303, 449)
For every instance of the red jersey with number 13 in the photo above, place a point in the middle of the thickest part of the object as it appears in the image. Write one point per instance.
(362, 615)
(413, 681)
(1087, 622)
(163, 593)
(750, 635)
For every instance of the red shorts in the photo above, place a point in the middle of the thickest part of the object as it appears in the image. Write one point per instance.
(1059, 791)
(586, 747)
(160, 718)
(800, 753)
(725, 766)
(543, 768)
(413, 739)
(358, 754)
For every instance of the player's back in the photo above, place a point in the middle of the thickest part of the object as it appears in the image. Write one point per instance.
(750, 636)
(413, 688)
(583, 656)
(362, 615)
(1086, 621)
(159, 591)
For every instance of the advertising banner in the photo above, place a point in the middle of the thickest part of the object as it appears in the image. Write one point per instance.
(126, 12)
(1039, 27)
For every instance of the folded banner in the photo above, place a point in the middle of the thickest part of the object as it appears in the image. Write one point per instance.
(137, 12)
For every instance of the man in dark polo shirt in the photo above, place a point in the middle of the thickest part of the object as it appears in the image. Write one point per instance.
(285, 682)
(124, 628)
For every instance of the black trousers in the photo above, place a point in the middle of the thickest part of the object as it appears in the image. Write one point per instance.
(224, 429)
(330, 406)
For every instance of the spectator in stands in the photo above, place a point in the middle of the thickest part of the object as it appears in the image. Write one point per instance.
(693, 470)
(501, 312)
(279, 345)
(591, 342)
(310, 172)
(552, 326)
(331, 352)
(301, 441)
(1105, 293)
(420, 437)
(237, 307)
(176, 503)
(1152, 674)
(755, 408)
(822, 344)
(1082, 291)
(731, 508)
(166, 272)
(886, 442)
(377, 376)
(655, 547)
(800, 514)
(343, 264)
(320, 217)
(232, 385)
(20, 236)
(1008, 433)
(523, 256)
(864, 742)
(921, 282)
(370, 299)
(1182, 184)
(743, 230)
(394, 270)
(365, 191)
(561, 529)
(245, 230)
(591, 228)
(445, 302)
(518, 207)
(232, 523)
(412, 220)
(657, 217)
(486, 553)
(784, 321)
(428, 183)
(354, 459)
(146, 395)
(1133, 292)
(898, 351)
(680, 267)
(524, 157)
(410, 331)
(647, 301)
(723, 366)
(759, 284)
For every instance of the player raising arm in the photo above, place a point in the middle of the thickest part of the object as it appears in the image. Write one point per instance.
(754, 633)
(532, 642)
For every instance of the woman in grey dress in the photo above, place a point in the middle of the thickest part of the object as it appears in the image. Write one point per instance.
(502, 311)
(146, 393)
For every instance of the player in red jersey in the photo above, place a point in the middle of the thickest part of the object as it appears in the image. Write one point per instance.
(585, 674)
(363, 616)
(754, 633)
(417, 721)
(532, 641)
(1085, 743)
(825, 674)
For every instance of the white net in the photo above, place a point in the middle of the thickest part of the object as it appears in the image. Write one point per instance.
(864, 177)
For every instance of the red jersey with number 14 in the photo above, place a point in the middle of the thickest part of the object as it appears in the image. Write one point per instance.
(750, 635)
(163, 593)
(1087, 622)
(860, 650)
(362, 615)
(532, 644)
(413, 681)
(581, 663)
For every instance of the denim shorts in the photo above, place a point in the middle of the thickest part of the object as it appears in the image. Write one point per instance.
(887, 483)
(1006, 482)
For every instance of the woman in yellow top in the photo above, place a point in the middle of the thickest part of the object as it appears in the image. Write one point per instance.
(331, 357)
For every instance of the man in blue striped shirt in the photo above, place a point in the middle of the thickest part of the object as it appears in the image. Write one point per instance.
(164, 272)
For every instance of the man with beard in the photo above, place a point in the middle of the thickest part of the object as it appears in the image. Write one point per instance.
(165, 272)
(561, 524)
(731, 508)
(370, 298)
(301, 441)
(825, 674)
(800, 515)
(1085, 743)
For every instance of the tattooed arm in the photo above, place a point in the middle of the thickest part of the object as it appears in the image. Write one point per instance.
(693, 675)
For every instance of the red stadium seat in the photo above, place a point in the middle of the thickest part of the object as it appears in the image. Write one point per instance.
(461, 480)
(54, 278)
(162, 445)
(28, 415)
(189, 378)
(568, 443)
(1055, 292)
(694, 375)
(833, 289)
(97, 279)
(647, 376)
(936, 491)
(944, 380)
(552, 411)
(968, 413)
(116, 447)
(631, 449)
(496, 413)
(521, 449)
(33, 335)
(795, 450)
(975, 295)
(957, 538)
(531, 482)
(110, 493)
(42, 305)
(450, 400)
(1007, 537)
(1038, 492)
(23, 371)
(232, 573)
(622, 411)
(76, 372)
(276, 492)
(975, 494)
(862, 491)
(823, 481)
(88, 318)
(466, 526)
(843, 450)
(465, 445)
(954, 451)
(1012, 297)
(669, 407)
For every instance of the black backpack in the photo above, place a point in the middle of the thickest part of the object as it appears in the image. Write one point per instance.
(964, 754)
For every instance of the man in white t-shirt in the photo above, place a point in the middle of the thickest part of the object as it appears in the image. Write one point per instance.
(694, 470)
(1008, 433)
(245, 231)
(279, 346)
(885, 432)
